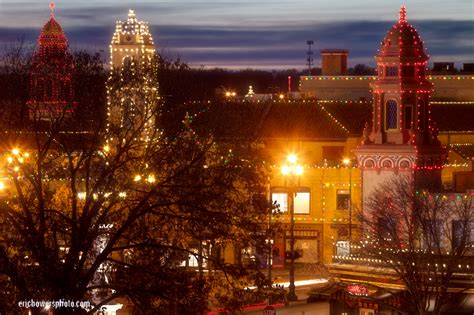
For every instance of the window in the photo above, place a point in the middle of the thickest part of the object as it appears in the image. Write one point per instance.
(433, 234)
(342, 199)
(128, 114)
(380, 71)
(392, 71)
(391, 114)
(302, 201)
(127, 62)
(280, 199)
(342, 248)
(408, 116)
(193, 261)
(461, 231)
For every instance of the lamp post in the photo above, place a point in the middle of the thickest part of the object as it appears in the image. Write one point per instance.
(270, 247)
(347, 162)
(292, 171)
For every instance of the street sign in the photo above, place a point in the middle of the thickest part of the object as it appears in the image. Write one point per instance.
(269, 310)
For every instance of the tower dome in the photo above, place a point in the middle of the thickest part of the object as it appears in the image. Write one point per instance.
(402, 42)
(52, 33)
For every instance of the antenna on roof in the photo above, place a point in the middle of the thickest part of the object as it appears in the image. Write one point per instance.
(309, 60)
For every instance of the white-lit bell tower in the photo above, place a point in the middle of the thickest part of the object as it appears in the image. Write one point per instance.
(132, 39)
(132, 88)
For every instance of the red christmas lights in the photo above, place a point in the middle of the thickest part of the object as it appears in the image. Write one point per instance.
(51, 87)
(401, 62)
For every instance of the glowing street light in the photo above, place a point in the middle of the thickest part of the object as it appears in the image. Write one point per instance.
(292, 171)
(347, 162)
(151, 179)
(292, 158)
(230, 94)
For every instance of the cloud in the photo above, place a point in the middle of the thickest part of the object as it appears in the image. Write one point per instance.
(278, 47)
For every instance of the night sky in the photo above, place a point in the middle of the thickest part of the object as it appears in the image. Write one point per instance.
(251, 33)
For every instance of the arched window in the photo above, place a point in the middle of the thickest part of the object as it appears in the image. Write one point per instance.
(127, 62)
(128, 114)
(391, 114)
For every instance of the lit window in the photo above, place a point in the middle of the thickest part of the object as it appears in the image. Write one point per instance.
(391, 114)
(280, 199)
(342, 199)
(193, 262)
(302, 201)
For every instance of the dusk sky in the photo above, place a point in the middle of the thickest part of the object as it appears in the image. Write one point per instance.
(257, 34)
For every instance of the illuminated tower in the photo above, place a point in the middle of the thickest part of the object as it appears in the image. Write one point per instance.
(132, 85)
(51, 93)
(402, 138)
(401, 92)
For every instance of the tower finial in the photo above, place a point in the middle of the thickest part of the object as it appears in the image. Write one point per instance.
(51, 7)
(403, 14)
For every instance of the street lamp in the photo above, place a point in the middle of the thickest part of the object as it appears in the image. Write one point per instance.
(292, 171)
(347, 162)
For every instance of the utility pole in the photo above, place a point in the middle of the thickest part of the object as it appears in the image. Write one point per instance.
(309, 60)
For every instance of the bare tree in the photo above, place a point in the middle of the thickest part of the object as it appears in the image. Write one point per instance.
(14, 69)
(424, 237)
(111, 215)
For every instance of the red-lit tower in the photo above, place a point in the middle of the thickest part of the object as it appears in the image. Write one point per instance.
(401, 92)
(51, 87)
(402, 139)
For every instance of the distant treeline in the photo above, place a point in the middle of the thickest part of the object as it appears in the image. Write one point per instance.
(178, 83)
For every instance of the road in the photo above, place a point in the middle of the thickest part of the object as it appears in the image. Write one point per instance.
(299, 308)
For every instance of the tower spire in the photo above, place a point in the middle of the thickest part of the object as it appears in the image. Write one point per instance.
(403, 14)
(51, 7)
